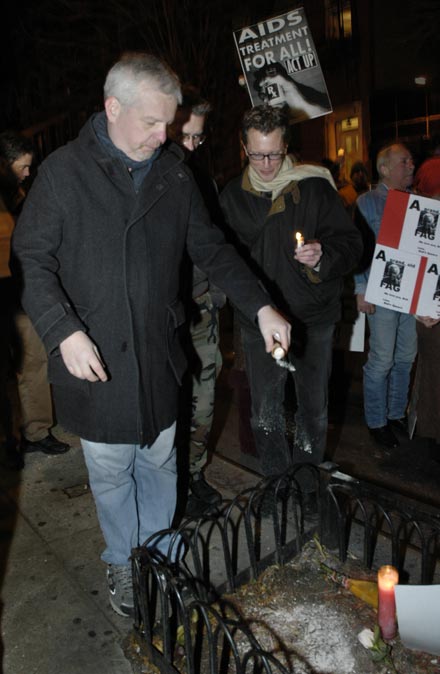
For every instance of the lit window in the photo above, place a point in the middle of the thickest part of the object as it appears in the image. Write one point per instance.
(338, 21)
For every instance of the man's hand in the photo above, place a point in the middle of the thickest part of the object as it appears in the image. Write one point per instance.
(427, 321)
(274, 328)
(363, 306)
(309, 254)
(81, 357)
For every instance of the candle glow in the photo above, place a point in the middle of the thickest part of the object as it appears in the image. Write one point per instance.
(278, 351)
(387, 578)
(299, 239)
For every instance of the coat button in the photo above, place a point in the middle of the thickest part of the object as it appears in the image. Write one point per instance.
(124, 346)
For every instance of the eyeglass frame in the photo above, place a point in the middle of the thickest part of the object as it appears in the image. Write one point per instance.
(271, 156)
(197, 138)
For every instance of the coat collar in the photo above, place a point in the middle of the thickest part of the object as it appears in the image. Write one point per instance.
(170, 156)
(168, 166)
(279, 204)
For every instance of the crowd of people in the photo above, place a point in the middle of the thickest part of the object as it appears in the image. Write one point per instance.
(123, 253)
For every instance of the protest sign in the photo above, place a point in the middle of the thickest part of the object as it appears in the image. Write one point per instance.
(281, 66)
(404, 274)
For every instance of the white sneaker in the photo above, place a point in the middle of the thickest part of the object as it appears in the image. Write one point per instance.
(120, 588)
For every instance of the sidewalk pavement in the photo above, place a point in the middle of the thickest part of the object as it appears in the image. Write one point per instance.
(56, 617)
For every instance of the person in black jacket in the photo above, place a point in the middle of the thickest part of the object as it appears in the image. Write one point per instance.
(100, 243)
(204, 356)
(291, 228)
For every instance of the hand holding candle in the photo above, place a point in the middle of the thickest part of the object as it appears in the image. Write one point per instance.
(278, 352)
(387, 578)
(308, 254)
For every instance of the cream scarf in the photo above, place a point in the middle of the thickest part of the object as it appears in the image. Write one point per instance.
(289, 172)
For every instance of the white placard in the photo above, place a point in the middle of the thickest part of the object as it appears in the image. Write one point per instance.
(429, 298)
(421, 227)
(418, 616)
(392, 279)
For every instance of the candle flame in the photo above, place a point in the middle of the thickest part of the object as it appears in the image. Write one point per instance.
(387, 577)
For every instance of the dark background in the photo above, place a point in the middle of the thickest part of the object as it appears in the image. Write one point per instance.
(55, 53)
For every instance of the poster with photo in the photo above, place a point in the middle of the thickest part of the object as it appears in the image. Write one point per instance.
(281, 65)
(394, 279)
(415, 221)
(404, 273)
(429, 299)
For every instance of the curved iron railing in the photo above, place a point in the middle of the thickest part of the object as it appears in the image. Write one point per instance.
(183, 619)
(401, 524)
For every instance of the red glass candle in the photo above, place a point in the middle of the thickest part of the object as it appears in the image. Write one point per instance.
(387, 578)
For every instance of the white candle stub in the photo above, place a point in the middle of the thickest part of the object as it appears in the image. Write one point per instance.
(299, 240)
(278, 352)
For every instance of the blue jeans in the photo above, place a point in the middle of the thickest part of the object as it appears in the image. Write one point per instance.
(134, 491)
(393, 347)
(312, 357)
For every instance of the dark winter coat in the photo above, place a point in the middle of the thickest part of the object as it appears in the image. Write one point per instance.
(95, 256)
(265, 232)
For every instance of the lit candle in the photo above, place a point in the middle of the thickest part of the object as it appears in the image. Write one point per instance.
(387, 578)
(299, 239)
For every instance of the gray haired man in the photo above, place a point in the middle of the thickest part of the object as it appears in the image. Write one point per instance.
(100, 243)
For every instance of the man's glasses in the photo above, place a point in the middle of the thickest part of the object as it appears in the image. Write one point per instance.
(196, 138)
(271, 156)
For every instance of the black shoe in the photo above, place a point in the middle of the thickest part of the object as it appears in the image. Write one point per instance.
(435, 455)
(13, 458)
(203, 491)
(384, 437)
(434, 449)
(48, 445)
(400, 425)
(196, 508)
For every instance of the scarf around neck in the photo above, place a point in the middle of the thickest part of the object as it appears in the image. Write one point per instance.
(289, 172)
(137, 169)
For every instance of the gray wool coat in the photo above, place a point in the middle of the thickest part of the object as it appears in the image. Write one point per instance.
(95, 256)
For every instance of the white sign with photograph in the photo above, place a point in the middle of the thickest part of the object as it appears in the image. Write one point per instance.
(281, 66)
(393, 278)
(420, 228)
(404, 274)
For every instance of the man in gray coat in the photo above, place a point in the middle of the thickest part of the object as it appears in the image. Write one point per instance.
(100, 242)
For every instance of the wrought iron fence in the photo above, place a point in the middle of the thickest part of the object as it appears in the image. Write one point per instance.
(183, 618)
(401, 524)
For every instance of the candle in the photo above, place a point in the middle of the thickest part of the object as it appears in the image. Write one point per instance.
(278, 351)
(387, 578)
(299, 239)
